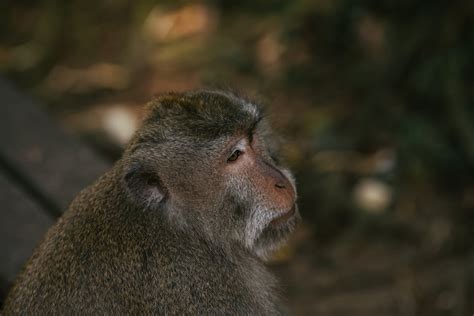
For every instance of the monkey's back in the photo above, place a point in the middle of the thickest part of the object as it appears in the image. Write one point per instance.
(97, 260)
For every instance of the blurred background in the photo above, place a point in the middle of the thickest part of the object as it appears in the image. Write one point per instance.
(375, 99)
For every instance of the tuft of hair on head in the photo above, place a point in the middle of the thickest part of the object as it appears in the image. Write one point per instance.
(201, 113)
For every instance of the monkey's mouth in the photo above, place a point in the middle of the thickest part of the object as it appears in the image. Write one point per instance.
(284, 218)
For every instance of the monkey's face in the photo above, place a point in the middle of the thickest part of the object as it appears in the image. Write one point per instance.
(265, 192)
(208, 160)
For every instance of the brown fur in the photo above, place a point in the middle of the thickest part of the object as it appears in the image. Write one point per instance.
(174, 227)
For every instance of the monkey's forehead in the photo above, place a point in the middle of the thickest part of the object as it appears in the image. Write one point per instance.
(206, 112)
(203, 102)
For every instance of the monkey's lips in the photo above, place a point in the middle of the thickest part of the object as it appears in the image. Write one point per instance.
(284, 218)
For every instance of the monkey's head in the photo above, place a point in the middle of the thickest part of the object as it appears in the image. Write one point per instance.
(207, 162)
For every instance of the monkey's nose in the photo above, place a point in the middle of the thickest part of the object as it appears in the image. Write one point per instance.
(280, 185)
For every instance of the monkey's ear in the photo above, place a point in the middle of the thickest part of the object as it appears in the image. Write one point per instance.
(144, 187)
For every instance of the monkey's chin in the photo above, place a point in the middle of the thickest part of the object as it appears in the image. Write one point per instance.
(276, 233)
(283, 219)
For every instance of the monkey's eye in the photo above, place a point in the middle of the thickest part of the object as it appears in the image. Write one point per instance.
(234, 155)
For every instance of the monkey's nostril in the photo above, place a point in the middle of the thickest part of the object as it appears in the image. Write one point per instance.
(280, 186)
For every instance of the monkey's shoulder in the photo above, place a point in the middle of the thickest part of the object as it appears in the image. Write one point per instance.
(211, 282)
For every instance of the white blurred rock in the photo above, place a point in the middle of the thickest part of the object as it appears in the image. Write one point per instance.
(372, 195)
(119, 123)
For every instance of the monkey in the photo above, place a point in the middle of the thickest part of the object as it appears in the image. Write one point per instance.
(182, 223)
